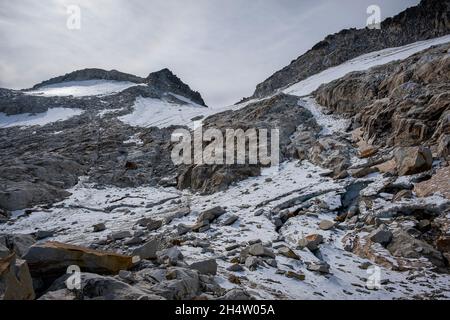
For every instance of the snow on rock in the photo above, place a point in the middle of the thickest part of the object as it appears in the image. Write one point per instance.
(38, 119)
(364, 62)
(83, 88)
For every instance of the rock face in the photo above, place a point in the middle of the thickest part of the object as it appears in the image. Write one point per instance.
(429, 19)
(15, 279)
(400, 104)
(53, 258)
(413, 160)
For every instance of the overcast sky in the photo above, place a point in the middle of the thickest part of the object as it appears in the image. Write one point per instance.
(222, 48)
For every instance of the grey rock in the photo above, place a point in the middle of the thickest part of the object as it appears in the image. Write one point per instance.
(120, 235)
(381, 236)
(205, 267)
(211, 214)
(235, 268)
(236, 295)
(326, 225)
(321, 267)
(259, 250)
(148, 250)
(99, 227)
(170, 256)
(43, 234)
(230, 220)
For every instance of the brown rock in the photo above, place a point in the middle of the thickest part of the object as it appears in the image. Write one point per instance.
(15, 279)
(439, 183)
(53, 258)
(412, 160)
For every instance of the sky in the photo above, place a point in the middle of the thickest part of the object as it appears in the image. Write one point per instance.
(221, 48)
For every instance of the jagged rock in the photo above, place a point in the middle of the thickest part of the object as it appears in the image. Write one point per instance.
(205, 267)
(326, 225)
(147, 250)
(53, 258)
(320, 266)
(230, 220)
(99, 227)
(236, 295)
(180, 284)
(311, 242)
(15, 279)
(211, 214)
(404, 245)
(412, 160)
(169, 256)
(259, 250)
(381, 236)
(439, 183)
(287, 252)
(150, 224)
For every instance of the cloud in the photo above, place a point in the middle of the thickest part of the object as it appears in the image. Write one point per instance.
(220, 48)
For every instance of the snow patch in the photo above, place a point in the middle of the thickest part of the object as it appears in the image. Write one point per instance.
(38, 119)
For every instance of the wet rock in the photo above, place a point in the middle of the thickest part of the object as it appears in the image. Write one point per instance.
(311, 242)
(53, 258)
(205, 267)
(15, 279)
(148, 250)
(326, 225)
(412, 160)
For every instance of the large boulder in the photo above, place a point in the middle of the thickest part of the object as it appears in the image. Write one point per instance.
(412, 160)
(205, 267)
(53, 258)
(15, 279)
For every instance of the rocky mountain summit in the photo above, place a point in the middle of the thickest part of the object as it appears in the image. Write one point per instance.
(430, 19)
(93, 207)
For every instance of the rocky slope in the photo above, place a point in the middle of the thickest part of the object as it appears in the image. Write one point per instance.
(430, 19)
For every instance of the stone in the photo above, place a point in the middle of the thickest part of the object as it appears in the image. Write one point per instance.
(133, 241)
(360, 173)
(402, 194)
(230, 220)
(205, 267)
(180, 284)
(150, 224)
(321, 267)
(120, 235)
(182, 229)
(211, 214)
(53, 258)
(169, 256)
(99, 227)
(4, 251)
(295, 275)
(252, 263)
(259, 212)
(147, 250)
(232, 247)
(235, 268)
(271, 262)
(43, 234)
(439, 183)
(326, 225)
(412, 160)
(311, 242)
(287, 252)
(236, 295)
(381, 236)
(15, 279)
(259, 250)
(20, 243)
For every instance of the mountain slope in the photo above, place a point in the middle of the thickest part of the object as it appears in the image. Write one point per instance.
(430, 19)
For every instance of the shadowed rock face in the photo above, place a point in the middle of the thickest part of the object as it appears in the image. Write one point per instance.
(403, 103)
(430, 19)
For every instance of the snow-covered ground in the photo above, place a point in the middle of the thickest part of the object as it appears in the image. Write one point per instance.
(38, 119)
(83, 88)
(361, 63)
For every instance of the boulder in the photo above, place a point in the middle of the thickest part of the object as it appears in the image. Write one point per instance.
(211, 214)
(252, 263)
(15, 279)
(287, 252)
(259, 250)
(412, 160)
(381, 236)
(150, 224)
(235, 295)
(311, 242)
(205, 267)
(439, 183)
(320, 266)
(99, 227)
(180, 284)
(235, 268)
(53, 258)
(169, 256)
(147, 250)
(230, 220)
(326, 225)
